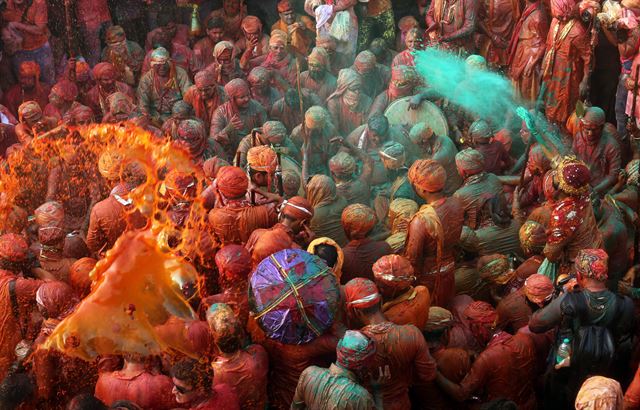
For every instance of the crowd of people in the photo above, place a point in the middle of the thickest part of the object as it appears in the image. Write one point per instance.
(480, 262)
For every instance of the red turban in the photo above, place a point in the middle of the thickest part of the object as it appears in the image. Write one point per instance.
(51, 235)
(13, 247)
(361, 293)
(232, 182)
(104, 71)
(251, 24)
(297, 208)
(284, 5)
(270, 242)
(79, 275)
(212, 166)
(50, 214)
(538, 288)
(533, 237)
(394, 271)
(428, 175)
(29, 69)
(573, 176)
(365, 61)
(480, 312)
(236, 88)
(355, 350)
(66, 90)
(593, 264)
(262, 158)
(562, 8)
(57, 298)
(358, 220)
(470, 161)
(233, 262)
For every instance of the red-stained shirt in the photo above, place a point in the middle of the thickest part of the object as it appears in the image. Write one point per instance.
(246, 372)
(224, 397)
(92, 13)
(496, 157)
(410, 308)
(38, 14)
(513, 312)
(402, 358)
(149, 391)
(359, 257)
(16, 96)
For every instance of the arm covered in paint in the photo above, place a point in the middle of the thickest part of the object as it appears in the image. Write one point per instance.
(548, 317)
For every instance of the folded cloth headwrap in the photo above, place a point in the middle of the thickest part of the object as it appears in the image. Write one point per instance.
(480, 312)
(160, 56)
(428, 175)
(212, 165)
(79, 278)
(262, 158)
(29, 110)
(495, 268)
(320, 56)
(204, 78)
(57, 298)
(361, 293)
(251, 24)
(633, 171)
(104, 71)
(562, 8)
(342, 164)
(274, 131)
(79, 113)
(439, 319)
(326, 42)
(29, 69)
(406, 23)
(538, 288)
(257, 74)
(476, 62)
(50, 214)
(51, 235)
(470, 161)
(233, 262)
(533, 237)
(232, 182)
(401, 210)
(355, 350)
(297, 208)
(223, 322)
(284, 5)
(321, 190)
(538, 161)
(358, 220)
(270, 242)
(278, 37)
(419, 132)
(394, 271)
(13, 247)
(236, 87)
(323, 14)
(480, 129)
(365, 62)
(115, 34)
(110, 165)
(221, 47)
(392, 155)
(347, 78)
(592, 263)
(315, 117)
(599, 393)
(573, 176)
(193, 135)
(66, 90)
(594, 116)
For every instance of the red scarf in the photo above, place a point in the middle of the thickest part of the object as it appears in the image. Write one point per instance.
(513, 44)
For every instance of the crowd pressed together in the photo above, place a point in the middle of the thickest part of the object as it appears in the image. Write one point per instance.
(160, 156)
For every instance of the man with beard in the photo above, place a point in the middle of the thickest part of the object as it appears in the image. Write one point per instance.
(349, 105)
(597, 147)
(313, 138)
(236, 118)
(404, 82)
(261, 90)
(106, 84)
(375, 77)
(62, 98)
(301, 30)
(253, 43)
(28, 88)
(203, 49)
(125, 55)
(225, 67)
(318, 77)
(162, 86)
(205, 96)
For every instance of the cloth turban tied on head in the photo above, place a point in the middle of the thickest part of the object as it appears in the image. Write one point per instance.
(470, 161)
(29, 69)
(274, 130)
(232, 182)
(481, 313)
(110, 165)
(347, 78)
(342, 164)
(297, 208)
(407, 22)
(251, 24)
(495, 268)
(394, 271)
(236, 88)
(104, 71)
(633, 171)
(284, 5)
(439, 319)
(562, 8)
(404, 74)
(392, 154)
(278, 37)
(50, 214)
(419, 132)
(79, 275)
(573, 176)
(223, 322)
(594, 116)
(593, 264)
(355, 350)
(481, 130)
(13, 247)
(321, 190)
(319, 56)
(428, 175)
(114, 34)
(533, 237)
(538, 288)
(221, 47)
(29, 110)
(51, 235)
(57, 298)
(66, 89)
(262, 158)
(233, 262)
(212, 165)
(365, 61)
(315, 117)
(160, 56)
(599, 393)
(361, 293)
(358, 220)
(271, 241)
(476, 62)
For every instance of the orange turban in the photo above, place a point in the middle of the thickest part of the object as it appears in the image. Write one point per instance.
(251, 24)
(79, 275)
(212, 165)
(104, 71)
(232, 182)
(538, 288)
(50, 214)
(13, 247)
(297, 208)
(29, 69)
(233, 262)
(427, 175)
(270, 242)
(284, 5)
(480, 312)
(56, 298)
(358, 220)
(361, 293)
(262, 158)
(394, 271)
